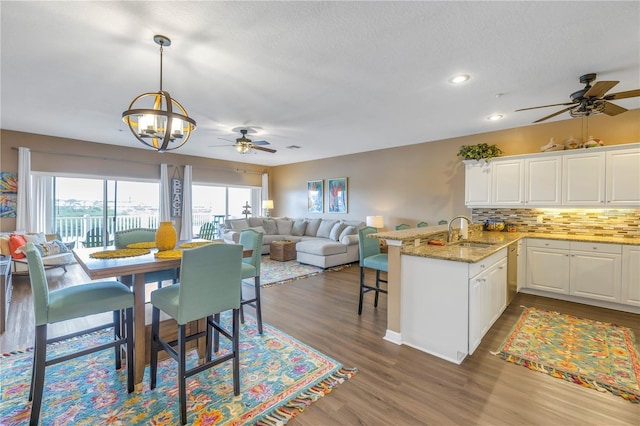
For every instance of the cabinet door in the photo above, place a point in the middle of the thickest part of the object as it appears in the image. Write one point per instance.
(630, 292)
(477, 179)
(595, 275)
(543, 181)
(583, 179)
(623, 177)
(478, 300)
(548, 269)
(507, 178)
(497, 282)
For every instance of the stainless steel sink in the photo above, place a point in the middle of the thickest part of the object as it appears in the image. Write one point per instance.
(471, 244)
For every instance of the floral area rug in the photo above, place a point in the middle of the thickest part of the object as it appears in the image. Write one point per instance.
(273, 272)
(279, 377)
(594, 354)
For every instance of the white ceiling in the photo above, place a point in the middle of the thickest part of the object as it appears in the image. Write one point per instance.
(331, 77)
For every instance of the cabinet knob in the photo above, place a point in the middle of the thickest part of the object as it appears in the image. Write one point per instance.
(500, 267)
(595, 248)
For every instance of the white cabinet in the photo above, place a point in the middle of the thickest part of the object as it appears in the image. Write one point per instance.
(507, 178)
(548, 263)
(583, 179)
(543, 181)
(623, 178)
(630, 291)
(596, 271)
(522, 263)
(477, 183)
(487, 300)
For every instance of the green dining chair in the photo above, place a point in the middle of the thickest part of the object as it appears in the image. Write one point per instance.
(251, 239)
(209, 284)
(402, 226)
(69, 303)
(422, 224)
(144, 235)
(370, 257)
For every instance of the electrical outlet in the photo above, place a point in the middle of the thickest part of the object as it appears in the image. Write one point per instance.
(540, 218)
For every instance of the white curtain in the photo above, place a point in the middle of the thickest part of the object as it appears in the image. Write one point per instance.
(23, 207)
(42, 204)
(165, 197)
(265, 193)
(186, 231)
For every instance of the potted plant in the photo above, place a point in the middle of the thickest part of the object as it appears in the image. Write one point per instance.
(480, 151)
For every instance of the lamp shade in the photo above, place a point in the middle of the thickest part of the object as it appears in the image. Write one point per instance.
(375, 221)
(267, 204)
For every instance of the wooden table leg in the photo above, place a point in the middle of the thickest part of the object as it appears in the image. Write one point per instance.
(139, 330)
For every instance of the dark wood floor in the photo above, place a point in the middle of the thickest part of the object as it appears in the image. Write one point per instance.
(396, 384)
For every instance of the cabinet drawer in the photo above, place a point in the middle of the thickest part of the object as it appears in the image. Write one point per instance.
(555, 244)
(597, 247)
(484, 264)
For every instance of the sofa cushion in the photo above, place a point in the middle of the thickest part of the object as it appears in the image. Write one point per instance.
(36, 238)
(239, 224)
(299, 226)
(348, 230)
(255, 221)
(320, 247)
(4, 244)
(259, 229)
(52, 247)
(284, 226)
(324, 230)
(336, 231)
(270, 226)
(312, 227)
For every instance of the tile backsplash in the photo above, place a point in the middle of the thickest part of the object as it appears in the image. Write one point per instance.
(599, 222)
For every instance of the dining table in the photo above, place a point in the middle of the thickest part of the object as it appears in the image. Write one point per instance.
(132, 270)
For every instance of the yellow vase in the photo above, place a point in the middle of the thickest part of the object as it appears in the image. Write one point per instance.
(166, 236)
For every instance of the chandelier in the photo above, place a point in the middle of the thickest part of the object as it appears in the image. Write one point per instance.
(156, 119)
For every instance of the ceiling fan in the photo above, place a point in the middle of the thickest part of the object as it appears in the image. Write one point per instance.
(245, 145)
(591, 100)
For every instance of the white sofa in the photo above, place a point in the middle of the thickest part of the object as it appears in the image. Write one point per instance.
(320, 242)
(60, 259)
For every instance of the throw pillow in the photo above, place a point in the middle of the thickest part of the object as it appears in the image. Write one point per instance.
(16, 241)
(336, 231)
(239, 225)
(348, 230)
(257, 229)
(4, 244)
(299, 226)
(35, 238)
(270, 226)
(255, 221)
(284, 226)
(324, 230)
(312, 227)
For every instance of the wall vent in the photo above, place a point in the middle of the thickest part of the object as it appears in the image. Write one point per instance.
(294, 147)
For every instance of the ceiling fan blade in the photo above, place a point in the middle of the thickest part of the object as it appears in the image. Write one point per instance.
(544, 106)
(219, 146)
(554, 114)
(261, 148)
(623, 95)
(228, 140)
(613, 109)
(600, 88)
(260, 143)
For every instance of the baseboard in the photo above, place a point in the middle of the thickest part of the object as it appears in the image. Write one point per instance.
(393, 337)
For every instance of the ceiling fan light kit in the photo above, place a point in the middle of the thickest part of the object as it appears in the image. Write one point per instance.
(244, 145)
(156, 119)
(591, 100)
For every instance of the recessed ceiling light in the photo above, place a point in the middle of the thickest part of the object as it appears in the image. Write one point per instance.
(458, 79)
(495, 117)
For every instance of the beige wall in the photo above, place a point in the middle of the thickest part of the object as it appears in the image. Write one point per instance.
(57, 155)
(406, 184)
(426, 181)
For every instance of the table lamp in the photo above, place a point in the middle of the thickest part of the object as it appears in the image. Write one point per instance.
(266, 206)
(375, 221)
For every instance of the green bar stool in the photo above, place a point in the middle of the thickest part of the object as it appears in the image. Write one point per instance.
(402, 226)
(75, 302)
(370, 257)
(251, 239)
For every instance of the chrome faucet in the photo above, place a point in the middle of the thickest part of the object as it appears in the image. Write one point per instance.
(450, 232)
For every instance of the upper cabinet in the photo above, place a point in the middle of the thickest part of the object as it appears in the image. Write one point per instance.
(595, 177)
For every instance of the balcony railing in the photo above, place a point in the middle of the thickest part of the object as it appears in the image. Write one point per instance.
(75, 229)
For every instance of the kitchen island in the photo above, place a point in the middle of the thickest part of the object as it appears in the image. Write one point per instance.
(443, 299)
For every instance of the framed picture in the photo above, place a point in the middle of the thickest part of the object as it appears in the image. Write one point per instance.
(337, 195)
(315, 196)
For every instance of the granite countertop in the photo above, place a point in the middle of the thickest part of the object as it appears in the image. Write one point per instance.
(498, 241)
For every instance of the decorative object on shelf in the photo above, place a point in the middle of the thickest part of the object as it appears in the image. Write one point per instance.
(552, 146)
(266, 206)
(511, 227)
(247, 209)
(337, 195)
(571, 143)
(592, 142)
(162, 120)
(494, 225)
(315, 196)
(480, 151)
(166, 236)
